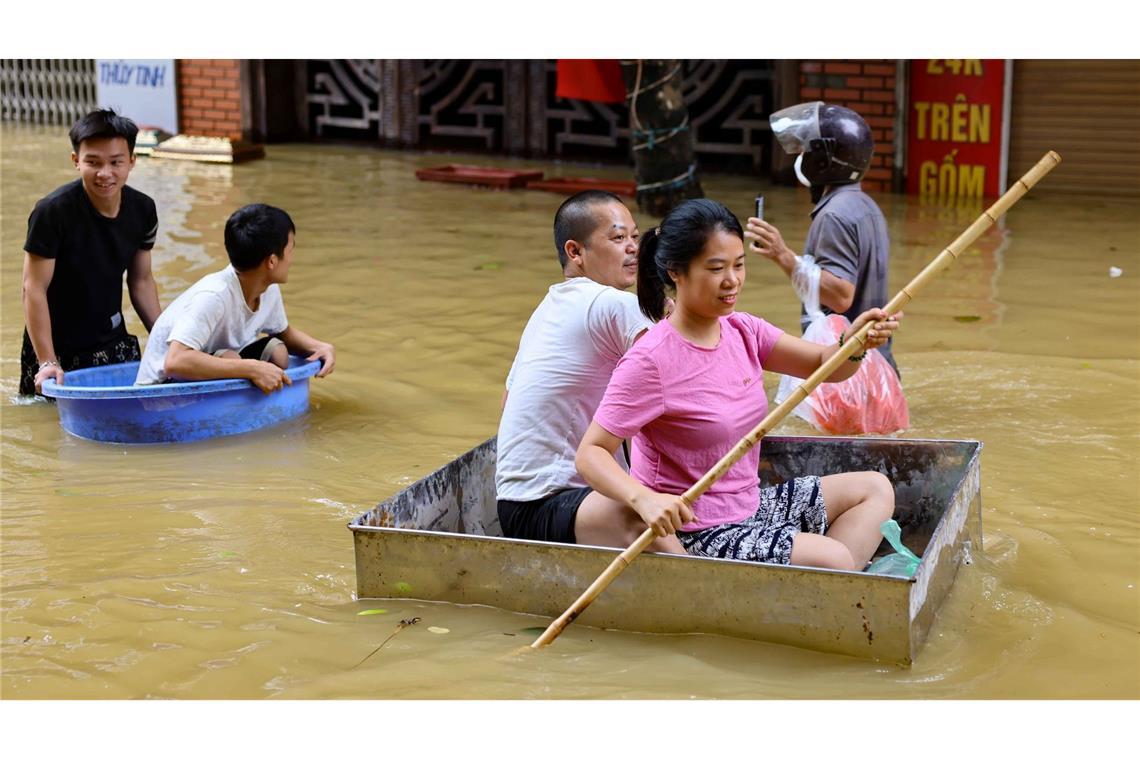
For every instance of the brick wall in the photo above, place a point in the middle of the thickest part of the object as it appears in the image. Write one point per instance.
(209, 97)
(868, 88)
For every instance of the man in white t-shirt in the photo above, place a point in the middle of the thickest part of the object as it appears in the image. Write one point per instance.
(211, 331)
(567, 353)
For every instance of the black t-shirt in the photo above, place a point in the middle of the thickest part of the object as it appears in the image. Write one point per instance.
(91, 255)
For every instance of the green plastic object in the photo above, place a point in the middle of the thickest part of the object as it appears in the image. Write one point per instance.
(902, 562)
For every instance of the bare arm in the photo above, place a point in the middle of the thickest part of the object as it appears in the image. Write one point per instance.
(38, 273)
(799, 358)
(835, 293)
(665, 513)
(302, 344)
(186, 363)
(142, 288)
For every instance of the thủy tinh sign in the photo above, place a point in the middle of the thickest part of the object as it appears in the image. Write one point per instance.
(958, 127)
(144, 91)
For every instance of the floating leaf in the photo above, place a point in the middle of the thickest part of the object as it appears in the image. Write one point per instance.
(371, 612)
(488, 265)
(536, 630)
(226, 555)
(967, 318)
(437, 629)
(404, 588)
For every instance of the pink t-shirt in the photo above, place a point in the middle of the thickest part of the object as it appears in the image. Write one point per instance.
(686, 406)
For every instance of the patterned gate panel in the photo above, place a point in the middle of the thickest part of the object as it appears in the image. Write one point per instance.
(463, 105)
(443, 104)
(344, 98)
(510, 107)
(583, 129)
(729, 103)
(46, 91)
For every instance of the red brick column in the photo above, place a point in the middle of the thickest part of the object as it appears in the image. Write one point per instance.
(868, 88)
(209, 97)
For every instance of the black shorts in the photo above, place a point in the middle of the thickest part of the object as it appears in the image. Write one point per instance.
(261, 349)
(122, 349)
(548, 519)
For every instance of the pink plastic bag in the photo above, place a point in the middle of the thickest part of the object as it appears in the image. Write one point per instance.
(870, 401)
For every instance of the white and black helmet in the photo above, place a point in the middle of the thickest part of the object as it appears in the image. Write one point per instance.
(834, 143)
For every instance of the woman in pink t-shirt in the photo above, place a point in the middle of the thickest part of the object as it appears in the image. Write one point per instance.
(692, 387)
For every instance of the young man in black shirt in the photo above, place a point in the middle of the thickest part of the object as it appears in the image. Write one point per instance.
(81, 239)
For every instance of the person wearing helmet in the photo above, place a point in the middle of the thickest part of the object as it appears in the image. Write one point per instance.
(848, 234)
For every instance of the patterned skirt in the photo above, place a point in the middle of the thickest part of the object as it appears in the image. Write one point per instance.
(785, 510)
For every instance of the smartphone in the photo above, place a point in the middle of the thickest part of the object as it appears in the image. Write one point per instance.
(760, 207)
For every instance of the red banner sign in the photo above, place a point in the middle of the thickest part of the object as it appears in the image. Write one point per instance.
(955, 145)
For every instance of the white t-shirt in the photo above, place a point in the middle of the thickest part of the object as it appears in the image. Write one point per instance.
(211, 315)
(566, 355)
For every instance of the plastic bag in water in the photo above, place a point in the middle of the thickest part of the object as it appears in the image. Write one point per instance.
(902, 562)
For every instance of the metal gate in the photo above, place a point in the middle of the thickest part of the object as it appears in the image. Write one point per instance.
(46, 91)
(509, 106)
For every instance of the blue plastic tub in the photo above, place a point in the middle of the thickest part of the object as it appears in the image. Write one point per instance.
(103, 404)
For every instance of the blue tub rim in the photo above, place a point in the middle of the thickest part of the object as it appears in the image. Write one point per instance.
(299, 369)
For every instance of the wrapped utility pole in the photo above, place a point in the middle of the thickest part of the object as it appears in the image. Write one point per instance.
(664, 162)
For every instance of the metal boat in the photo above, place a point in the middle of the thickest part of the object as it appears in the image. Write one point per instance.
(439, 539)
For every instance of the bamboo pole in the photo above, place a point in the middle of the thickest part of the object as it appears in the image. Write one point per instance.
(774, 417)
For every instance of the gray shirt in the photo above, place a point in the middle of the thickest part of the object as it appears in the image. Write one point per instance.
(848, 237)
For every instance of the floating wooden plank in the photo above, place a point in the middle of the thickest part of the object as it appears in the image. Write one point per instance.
(571, 185)
(478, 175)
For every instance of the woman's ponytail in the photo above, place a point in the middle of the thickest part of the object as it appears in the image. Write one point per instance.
(650, 284)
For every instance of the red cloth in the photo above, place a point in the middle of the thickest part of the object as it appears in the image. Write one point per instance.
(585, 79)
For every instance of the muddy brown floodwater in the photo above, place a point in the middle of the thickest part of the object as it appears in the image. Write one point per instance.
(224, 568)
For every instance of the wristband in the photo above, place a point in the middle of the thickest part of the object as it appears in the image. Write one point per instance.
(49, 363)
(851, 358)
